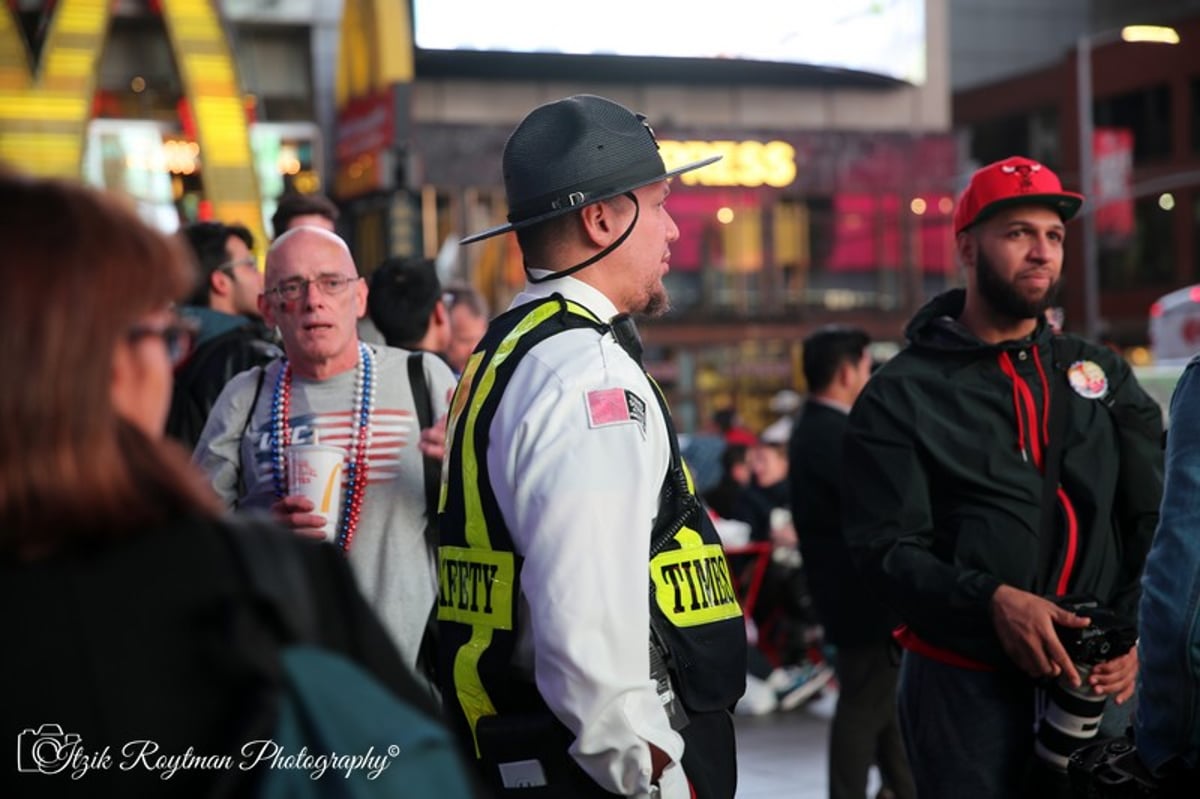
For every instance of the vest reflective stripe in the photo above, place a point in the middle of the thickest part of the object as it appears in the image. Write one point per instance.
(478, 556)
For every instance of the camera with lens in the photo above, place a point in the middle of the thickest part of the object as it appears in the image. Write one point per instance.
(1071, 717)
(1111, 769)
(1108, 636)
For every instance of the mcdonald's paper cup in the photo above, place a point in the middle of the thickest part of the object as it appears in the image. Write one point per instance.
(315, 471)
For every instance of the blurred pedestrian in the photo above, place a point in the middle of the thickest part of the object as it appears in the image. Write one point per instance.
(405, 303)
(468, 322)
(864, 732)
(297, 210)
(231, 336)
(141, 635)
(1167, 718)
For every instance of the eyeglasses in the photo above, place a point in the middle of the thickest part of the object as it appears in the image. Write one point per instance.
(292, 290)
(178, 336)
(229, 266)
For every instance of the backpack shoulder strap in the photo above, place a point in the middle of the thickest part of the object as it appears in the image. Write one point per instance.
(424, 404)
(241, 472)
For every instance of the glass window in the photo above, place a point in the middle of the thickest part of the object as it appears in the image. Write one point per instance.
(1145, 259)
(1147, 113)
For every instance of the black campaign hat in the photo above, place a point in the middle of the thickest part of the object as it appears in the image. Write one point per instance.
(575, 152)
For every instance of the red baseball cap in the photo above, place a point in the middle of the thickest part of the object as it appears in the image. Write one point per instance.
(1013, 181)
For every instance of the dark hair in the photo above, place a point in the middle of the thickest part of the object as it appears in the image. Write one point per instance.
(401, 299)
(70, 466)
(826, 349)
(732, 455)
(539, 243)
(724, 419)
(294, 204)
(207, 242)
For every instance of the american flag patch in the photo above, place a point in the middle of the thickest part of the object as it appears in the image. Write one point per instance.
(608, 406)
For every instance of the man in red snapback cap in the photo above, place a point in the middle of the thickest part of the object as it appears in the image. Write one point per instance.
(992, 469)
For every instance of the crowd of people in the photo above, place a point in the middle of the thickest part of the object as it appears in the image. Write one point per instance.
(961, 539)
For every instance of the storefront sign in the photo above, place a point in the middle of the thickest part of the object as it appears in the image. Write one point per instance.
(365, 132)
(743, 163)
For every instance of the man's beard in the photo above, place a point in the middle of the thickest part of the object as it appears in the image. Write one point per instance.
(1004, 299)
(657, 302)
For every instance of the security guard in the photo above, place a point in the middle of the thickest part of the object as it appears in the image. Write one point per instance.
(562, 666)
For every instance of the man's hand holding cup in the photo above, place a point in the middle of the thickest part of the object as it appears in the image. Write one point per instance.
(313, 504)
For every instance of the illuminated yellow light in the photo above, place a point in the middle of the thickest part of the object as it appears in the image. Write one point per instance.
(307, 182)
(83, 16)
(1158, 34)
(725, 215)
(918, 206)
(1138, 356)
(42, 106)
(194, 19)
(51, 142)
(138, 84)
(1166, 201)
(69, 62)
(210, 72)
(45, 154)
(743, 163)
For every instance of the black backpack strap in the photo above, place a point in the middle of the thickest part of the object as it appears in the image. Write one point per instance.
(1047, 531)
(427, 655)
(424, 404)
(241, 477)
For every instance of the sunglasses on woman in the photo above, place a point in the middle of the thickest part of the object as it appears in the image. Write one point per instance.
(178, 335)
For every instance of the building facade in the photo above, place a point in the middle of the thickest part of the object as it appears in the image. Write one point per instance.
(831, 204)
(1145, 193)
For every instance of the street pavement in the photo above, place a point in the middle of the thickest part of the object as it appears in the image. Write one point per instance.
(783, 754)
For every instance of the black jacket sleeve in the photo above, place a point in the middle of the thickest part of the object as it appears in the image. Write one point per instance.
(1139, 429)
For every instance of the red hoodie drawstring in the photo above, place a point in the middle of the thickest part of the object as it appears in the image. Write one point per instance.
(1023, 396)
(1037, 360)
(1006, 366)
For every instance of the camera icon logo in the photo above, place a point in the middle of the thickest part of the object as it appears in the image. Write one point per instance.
(47, 749)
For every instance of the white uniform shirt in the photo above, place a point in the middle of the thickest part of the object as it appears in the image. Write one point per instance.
(578, 483)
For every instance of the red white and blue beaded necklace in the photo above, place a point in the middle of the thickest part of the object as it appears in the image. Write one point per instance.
(357, 461)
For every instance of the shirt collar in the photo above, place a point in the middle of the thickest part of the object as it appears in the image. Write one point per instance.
(571, 289)
(828, 403)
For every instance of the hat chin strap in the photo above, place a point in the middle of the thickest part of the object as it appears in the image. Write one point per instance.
(577, 267)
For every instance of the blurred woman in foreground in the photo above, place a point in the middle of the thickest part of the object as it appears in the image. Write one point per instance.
(127, 612)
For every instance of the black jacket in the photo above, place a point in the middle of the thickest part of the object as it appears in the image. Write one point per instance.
(847, 605)
(942, 494)
(142, 639)
(200, 379)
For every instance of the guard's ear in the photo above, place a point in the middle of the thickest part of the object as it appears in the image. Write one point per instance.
(600, 221)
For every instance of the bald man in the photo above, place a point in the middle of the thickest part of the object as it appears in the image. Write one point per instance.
(333, 389)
